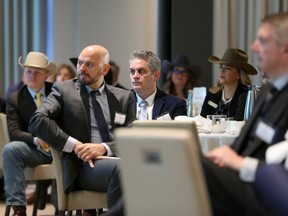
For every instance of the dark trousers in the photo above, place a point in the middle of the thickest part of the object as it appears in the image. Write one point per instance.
(271, 184)
(104, 177)
(229, 195)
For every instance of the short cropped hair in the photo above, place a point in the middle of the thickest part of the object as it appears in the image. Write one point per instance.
(154, 63)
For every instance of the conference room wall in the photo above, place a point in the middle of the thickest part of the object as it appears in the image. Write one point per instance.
(121, 26)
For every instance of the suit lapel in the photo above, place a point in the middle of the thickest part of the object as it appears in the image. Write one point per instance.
(241, 141)
(84, 99)
(273, 116)
(159, 102)
(27, 104)
(113, 103)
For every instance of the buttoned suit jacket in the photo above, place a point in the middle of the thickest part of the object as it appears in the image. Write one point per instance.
(166, 104)
(66, 113)
(20, 108)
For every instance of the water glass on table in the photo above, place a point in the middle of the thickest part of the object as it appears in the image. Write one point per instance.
(217, 123)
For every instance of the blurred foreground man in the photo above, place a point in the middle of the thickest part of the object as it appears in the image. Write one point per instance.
(228, 168)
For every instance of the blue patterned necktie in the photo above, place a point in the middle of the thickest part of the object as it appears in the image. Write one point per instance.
(143, 114)
(100, 119)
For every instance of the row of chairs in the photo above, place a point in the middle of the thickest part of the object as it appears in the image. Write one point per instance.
(160, 168)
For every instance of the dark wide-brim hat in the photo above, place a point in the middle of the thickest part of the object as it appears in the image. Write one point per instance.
(74, 61)
(181, 61)
(234, 57)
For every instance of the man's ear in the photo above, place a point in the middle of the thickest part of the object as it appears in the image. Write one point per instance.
(106, 68)
(157, 75)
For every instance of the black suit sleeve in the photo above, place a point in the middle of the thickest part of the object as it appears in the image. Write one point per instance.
(16, 126)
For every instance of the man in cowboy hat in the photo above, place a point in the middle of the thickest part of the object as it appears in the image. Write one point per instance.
(25, 150)
(144, 73)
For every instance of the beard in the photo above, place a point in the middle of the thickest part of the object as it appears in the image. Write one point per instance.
(86, 79)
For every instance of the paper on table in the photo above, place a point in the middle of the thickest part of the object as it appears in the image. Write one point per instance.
(203, 124)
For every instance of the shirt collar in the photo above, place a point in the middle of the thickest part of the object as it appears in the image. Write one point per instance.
(33, 93)
(150, 99)
(280, 82)
(101, 89)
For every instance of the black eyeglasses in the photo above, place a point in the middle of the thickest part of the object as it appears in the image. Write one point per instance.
(180, 71)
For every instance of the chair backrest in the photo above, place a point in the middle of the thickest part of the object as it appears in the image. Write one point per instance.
(190, 125)
(62, 197)
(161, 172)
(4, 137)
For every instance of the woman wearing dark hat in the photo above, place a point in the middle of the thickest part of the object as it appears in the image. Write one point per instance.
(180, 76)
(223, 99)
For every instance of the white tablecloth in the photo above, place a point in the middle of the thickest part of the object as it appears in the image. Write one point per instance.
(213, 140)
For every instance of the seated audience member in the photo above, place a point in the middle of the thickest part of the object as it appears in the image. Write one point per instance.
(64, 72)
(144, 73)
(181, 76)
(78, 119)
(229, 171)
(223, 99)
(2, 105)
(25, 150)
(115, 69)
(266, 127)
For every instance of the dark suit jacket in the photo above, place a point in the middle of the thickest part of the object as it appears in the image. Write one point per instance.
(2, 105)
(236, 109)
(276, 116)
(20, 107)
(66, 113)
(164, 103)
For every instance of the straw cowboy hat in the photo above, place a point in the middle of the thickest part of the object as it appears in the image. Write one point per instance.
(235, 57)
(38, 60)
(181, 61)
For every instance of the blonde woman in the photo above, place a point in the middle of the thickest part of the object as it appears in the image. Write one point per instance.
(228, 97)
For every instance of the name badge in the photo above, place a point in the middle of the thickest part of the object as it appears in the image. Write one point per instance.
(265, 133)
(211, 103)
(286, 135)
(120, 118)
(164, 117)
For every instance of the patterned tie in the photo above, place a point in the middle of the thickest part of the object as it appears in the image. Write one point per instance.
(100, 119)
(38, 99)
(143, 114)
